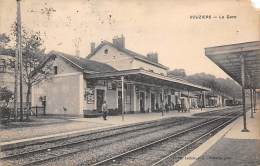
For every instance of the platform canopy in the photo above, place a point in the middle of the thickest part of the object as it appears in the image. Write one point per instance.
(231, 57)
(141, 76)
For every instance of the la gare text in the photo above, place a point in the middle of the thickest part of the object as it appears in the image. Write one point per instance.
(208, 17)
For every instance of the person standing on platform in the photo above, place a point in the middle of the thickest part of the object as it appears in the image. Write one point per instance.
(104, 110)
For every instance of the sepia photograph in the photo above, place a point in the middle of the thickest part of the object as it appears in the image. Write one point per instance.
(130, 83)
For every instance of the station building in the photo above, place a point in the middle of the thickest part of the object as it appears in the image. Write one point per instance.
(123, 78)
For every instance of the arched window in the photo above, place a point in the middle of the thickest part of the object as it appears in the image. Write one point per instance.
(106, 51)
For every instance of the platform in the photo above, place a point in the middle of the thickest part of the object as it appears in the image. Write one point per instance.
(48, 128)
(230, 146)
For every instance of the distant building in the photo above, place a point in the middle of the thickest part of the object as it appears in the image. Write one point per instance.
(7, 59)
(6, 73)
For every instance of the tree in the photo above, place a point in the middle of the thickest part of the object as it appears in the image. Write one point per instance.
(4, 40)
(177, 73)
(5, 96)
(217, 85)
(37, 66)
(225, 86)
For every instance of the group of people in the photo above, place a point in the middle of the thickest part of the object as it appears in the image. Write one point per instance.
(167, 107)
(164, 107)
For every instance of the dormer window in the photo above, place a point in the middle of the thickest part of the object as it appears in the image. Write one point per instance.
(106, 51)
(55, 68)
(2, 65)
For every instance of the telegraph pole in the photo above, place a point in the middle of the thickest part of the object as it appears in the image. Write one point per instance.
(19, 51)
(16, 80)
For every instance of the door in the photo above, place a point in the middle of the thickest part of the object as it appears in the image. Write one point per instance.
(169, 102)
(152, 102)
(142, 98)
(119, 101)
(100, 99)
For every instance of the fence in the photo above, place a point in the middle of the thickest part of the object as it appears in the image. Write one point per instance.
(8, 113)
(38, 110)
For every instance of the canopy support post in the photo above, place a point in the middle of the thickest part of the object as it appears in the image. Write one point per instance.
(189, 103)
(123, 100)
(201, 102)
(251, 101)
(242, 61)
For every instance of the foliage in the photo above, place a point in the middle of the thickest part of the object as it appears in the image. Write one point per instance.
(4, 40)
(218, 85)
(5, 94)
(221, 85)
(36, 65)
(177, 73)
(33, 58)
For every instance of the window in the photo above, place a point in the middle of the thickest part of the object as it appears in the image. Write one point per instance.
(106, 51)
(2, 66)
(55, 70)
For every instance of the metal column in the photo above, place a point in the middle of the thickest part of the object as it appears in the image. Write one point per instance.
(201, 100)
(242, 61)
(204, 99)
(189, 103)
(254, 101)
(134, 93)
(251, 101)
(123, 99)
(162, 102)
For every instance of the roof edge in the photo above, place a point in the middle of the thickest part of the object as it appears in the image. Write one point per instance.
(104, 42)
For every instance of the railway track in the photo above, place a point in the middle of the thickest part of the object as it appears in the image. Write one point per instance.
(171, 158)
(72, 146)
(221, 112)
(164, 151)
(64, 148)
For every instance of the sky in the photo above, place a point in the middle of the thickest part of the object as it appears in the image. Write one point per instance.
(256, 3)
(167, 26)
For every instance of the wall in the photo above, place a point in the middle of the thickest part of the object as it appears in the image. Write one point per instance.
(111, 99)
(120, 61)
(64, 91)
(62, 94)
(115, 58)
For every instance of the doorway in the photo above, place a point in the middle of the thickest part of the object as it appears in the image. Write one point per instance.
(142, 102)
(169, 102)
(152, 102)
(119, 99)
(100, 99)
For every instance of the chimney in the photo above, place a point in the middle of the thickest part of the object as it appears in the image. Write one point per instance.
(153, 56)
(119, 41)
(92, 47)
(77, 52)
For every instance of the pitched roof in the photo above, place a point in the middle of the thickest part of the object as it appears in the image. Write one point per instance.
(84, 64)
(129, 53)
